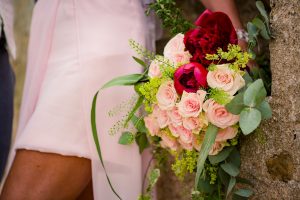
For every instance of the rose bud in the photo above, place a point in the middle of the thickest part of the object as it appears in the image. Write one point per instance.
(190, 77)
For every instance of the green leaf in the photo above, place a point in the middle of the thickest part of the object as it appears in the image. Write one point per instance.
(230, 169)
(250, 119)
(231, 185)
(235, 158)
(138, 104)
(252, 30)
(123, 80)
(97, 143)
(265, 109)
(261, 7)
(220, 156)
(139, 124)
(263, 28)
(139, 61)
(255, 93)
(204, 186)
(209, 140)
(142, 141)
(236, 105)
(126, 138)
(153, 177)
(243, 181)
(247, 78)
(224, 177)
(244, 192)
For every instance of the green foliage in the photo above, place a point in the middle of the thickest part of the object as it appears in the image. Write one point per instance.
(220, 96)
(265, 110)
(153, 177)
(255, 93)
(234, 54)
(250, 119)
(221, 156)
(231, 185)
(236, 105)
(131, 79)
(126, 138)
(170, 15)
(185, 162)
(209, 140)
(243, 193)
(148, 90)
(259, 26)
(211, 170)
(142, 141)
(140, 62)
(139, 124)
(230, 169)
(138, 104)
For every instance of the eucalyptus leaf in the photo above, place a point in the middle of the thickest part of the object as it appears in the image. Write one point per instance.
(258, 23)
(265, 110)
(126, 138)
(138, 104)
(243, 181)
(244, 192)
(142, 141)
(263, 28)
(255, 93)
(209, 140)
(139, 61)
(247, 78)
(252, 30)
(220, 156)
(260, 6)
(231, 185)
(230, 169)
(250, 119)
(234, 157)
(123, 80)
(224, 177)
(204, 186)
(139, 124)
(236, 105)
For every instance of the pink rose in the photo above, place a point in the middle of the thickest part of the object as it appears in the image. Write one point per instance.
(216, 148)
(186, 146)
(197, 141)
(226, 134)
(173, 129)
(154, 70)
(191, 103)
(192, 123)
(174, 116)
(161, 117)
(218, 115)
(175, 51)
(166, 96)
(151, 124)
(168, 142)
(226, 79)
(185, 135)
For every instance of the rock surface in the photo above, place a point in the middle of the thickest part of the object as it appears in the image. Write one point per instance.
(271, 156)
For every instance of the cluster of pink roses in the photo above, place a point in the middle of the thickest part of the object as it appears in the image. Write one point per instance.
(183, 109)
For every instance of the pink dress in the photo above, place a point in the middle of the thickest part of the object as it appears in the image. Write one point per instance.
(75, 47)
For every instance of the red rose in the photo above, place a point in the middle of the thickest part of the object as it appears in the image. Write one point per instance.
(190, 77)
(214, 31)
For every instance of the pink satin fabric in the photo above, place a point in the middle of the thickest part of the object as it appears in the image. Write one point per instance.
(75, 47)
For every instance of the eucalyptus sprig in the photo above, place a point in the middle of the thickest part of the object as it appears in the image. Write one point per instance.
(170, 15)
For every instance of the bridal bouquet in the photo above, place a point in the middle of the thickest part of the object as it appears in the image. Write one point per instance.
(197, 99)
